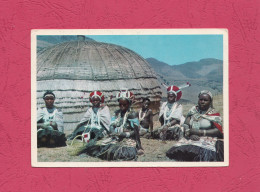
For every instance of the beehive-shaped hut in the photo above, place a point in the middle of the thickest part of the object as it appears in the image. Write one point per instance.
(74, 69)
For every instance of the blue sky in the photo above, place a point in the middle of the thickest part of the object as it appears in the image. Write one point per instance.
(171, 49)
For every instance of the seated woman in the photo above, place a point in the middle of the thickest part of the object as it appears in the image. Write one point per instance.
(96, 121)
(203, 130)
(50, 124)
(124, 142)
(170, 116)
(146, 119)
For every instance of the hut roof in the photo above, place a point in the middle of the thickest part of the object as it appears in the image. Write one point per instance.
(90, 60)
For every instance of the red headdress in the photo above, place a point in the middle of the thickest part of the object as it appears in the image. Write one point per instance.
(98, 94)
(125, 94)
(177, 90)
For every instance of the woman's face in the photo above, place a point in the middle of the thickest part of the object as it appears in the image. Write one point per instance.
(124, 105)
(95, 101)
(171, 97)
(204, 102)
(49, 101)
(146, 104)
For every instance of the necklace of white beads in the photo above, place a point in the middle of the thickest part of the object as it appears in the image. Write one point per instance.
(124, 120)
(140, 115)
(166, 118)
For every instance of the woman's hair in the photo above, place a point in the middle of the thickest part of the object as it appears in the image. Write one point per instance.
(209, 94)
(128, 100)
(146, 99)
(48, 93)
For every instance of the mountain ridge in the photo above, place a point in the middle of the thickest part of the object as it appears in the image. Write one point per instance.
(203, 74)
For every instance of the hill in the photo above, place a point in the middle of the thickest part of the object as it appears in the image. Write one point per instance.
(208, 69)
(203, 74)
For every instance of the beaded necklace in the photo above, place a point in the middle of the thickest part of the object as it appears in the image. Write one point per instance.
(94, 116)
(166, 118)
(201, 113)
(140, 113)
(124, 119)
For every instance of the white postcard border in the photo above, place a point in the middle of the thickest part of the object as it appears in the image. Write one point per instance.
(36, 32)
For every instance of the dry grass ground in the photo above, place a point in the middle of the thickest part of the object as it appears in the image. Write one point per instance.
(155, 150)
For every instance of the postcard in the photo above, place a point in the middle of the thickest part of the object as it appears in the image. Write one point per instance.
(129, 98)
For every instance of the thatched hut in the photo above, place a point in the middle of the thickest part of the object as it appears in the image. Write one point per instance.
(73, 69)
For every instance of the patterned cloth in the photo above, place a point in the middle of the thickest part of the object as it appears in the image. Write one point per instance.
(97, 117)
(171, 111)
(210, 115)
(48, 137)
(114, 148)
(46, 115)
(123, 124)
(204, 142)
(96, 122)
(205, 149)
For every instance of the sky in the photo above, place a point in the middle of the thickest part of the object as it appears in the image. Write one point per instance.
(171, 49)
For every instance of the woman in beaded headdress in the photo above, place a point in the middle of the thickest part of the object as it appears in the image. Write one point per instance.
(50, 123)
(203, 132)
(96, 120)
(170, 115)
(124, 141)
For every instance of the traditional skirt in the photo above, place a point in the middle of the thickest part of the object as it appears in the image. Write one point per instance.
(172, 133)
(94, 132)
(109, 148)
(206, 149)
(50, 138)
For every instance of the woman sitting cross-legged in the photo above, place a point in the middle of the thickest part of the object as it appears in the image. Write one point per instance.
(203, 132)
(96, 121)
(124, 141)
(50, 123)
(170, 116)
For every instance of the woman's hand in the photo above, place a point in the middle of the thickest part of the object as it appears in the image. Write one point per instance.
(194, 137)
(54, 125)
